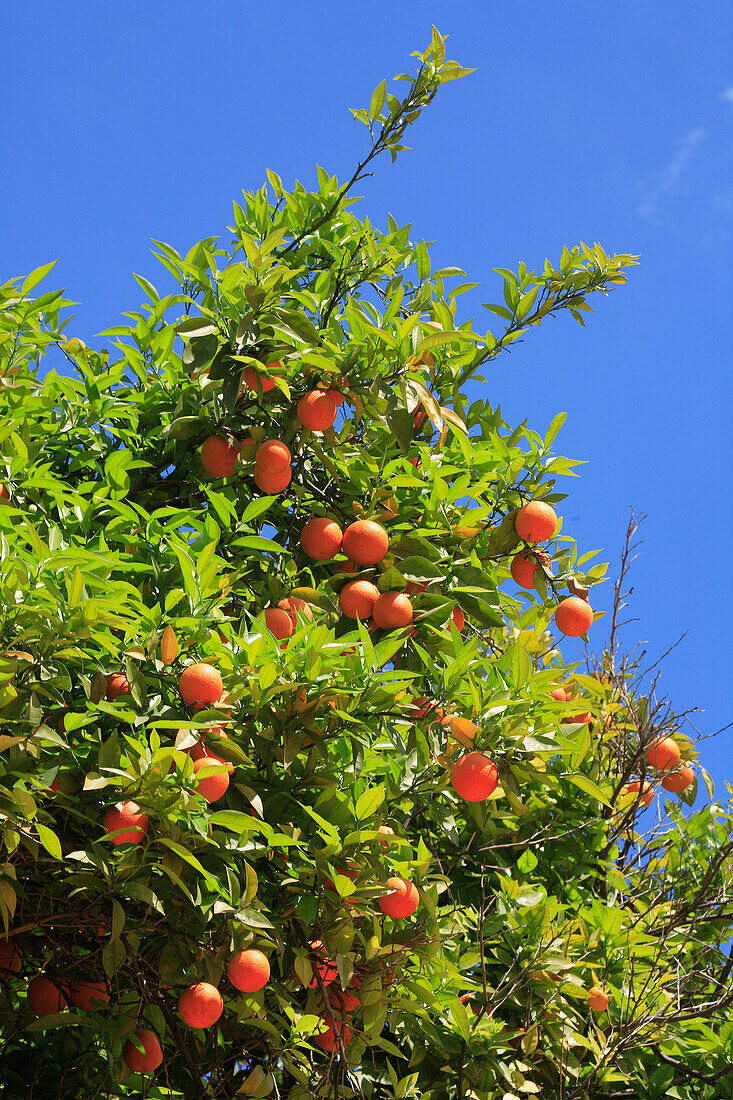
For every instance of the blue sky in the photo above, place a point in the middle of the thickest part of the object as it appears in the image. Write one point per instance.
(592, 122)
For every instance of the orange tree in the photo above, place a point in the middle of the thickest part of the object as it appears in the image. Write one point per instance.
(298, 794)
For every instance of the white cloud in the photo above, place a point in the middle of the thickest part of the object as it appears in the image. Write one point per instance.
(727, 94)
(663, 185)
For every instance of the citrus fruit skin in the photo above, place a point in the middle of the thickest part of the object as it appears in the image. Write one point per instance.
(459, 618)
(128, 817)
(402, 902)
(327, 1039)
(117, 684)
(139, 1061)
(385, 831)
(677, 782)
(647, 792)
(200, 683)
(219, 455)
(535, 521)
(294, 606)
(278, 622)
(210, 787)
(664, 754)
(598, 1000)
(88, 995)
(392, 611)
(272, 484)
(252, 378)
(44, 997)
(200, 1005)
(525, 565)
(560, 694)
(9, 958)
(357, 599)
(474, 777)
(316, 410)
(573, 616)
(248, 970)
(273, 456)
(463, 729)
(321, 538)
(365, 542)
(430, 709)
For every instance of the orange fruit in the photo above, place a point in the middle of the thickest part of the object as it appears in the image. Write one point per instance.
(253, 378)
(9, 958)
(325, 966)
(147, 1059)
(200, 683)
(273, 456)
(402, 902)
(327, 1039)
(200, 1005)
(392, 611)
(474, 777)
(536, 521)
(336, 397)
(129, 818)
(365, 542)
(463, 730)
(117, 684)
(44, 997)
(664, 754)
(218, 455)
(573, 616)
(316, 410)
(321, 538)
(211, 787)
(524, 565)
(597, 999)
(272, 484)
(278, 622)
(385, 831)
(647, 793)
(357, 599)
(293, 606)
(560, 694)
(676, 782)
(88, 995)
(4, 491)
(344, 1002)
(459, 618)
(429, 708)
(248, 970)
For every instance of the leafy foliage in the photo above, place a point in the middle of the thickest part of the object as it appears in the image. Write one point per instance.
(120, 555)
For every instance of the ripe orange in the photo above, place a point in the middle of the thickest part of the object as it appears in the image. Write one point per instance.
(272, 484)
(293, 606)
(200, 683)
(365, 542)
(9, 958)
(344, 1002)
(402, 902)
(573, 616)
(218, 455)
(536, 521)
(463, 730)
(117, 684)
(664, 754)
(430, 709)
(278, 622)
(321, 538)
(560, 694)
(597, 999)
(146, 1060)
(200, 1005)
(647, 793)
(392, 611)
(4, 491)
(248, 970)
(357, 599)
(677, 782)
(525, 564)
(44, 997)
(211, 787)
(336, 397)
(316, 410)
(385, 831)
(325, 966)
(459, 618)
(129, 818)
(273, 456)
(327, 1039)
(88, 995)
(253, 378)
(474, 777)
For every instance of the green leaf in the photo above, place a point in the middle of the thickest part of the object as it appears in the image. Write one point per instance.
(368, 803)
(587, 785)
(36, 277)
(49, 840)
(379, 96)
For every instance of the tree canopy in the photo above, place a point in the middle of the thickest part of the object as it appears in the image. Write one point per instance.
(329, 814)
